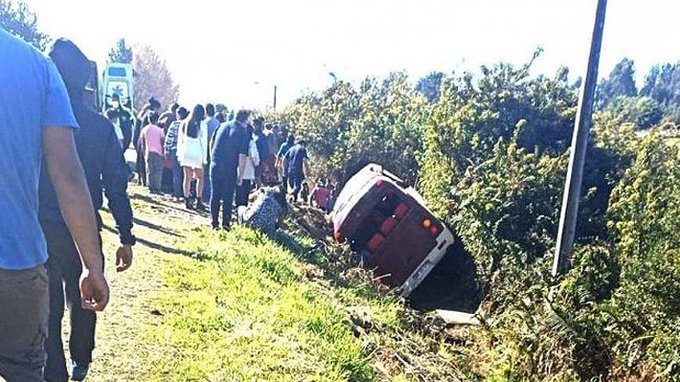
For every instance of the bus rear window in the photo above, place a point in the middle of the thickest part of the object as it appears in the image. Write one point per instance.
(380, 219)
(117, 72)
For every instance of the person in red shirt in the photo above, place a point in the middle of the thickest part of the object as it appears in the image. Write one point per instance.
(320, 195)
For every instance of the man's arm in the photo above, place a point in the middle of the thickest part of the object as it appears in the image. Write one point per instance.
(114, 179)
(306, 165)
(69, 182)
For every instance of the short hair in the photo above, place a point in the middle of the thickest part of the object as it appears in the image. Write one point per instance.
(291, 138)
(153, 117)
(182, 112)
(242, 115)
(154, 104)
(210, 109)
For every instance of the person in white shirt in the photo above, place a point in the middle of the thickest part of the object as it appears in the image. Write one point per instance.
(243, 191)
(192, 153)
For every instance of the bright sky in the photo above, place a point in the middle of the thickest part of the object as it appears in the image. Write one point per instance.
(234, 52)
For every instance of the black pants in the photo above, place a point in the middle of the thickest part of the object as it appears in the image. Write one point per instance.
(141, 168)
(284, 184)
(296, 182)
(223, 189)
(63, 269)
(243, 192)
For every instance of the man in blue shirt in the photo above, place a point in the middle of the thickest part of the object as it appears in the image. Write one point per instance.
(281, 163)
(296, 160)
(228, 156)
(36, 123)
(211, 124)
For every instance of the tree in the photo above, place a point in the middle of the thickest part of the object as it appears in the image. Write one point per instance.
(643, 112)
(152, 78)
(621, 82)
(20, 21)
(430, 86)
(121, 53)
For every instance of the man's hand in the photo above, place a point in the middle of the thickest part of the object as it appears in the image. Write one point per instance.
(94, 291)
(123, 257)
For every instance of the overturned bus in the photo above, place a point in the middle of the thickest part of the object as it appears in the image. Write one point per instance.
(388, 225)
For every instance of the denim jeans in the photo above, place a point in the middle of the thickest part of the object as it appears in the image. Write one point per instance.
(207, 187)
(24, 308)
(296, 182)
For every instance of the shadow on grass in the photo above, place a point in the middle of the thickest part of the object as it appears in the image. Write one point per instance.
(155, 200)
(156, 228)
(156, 246)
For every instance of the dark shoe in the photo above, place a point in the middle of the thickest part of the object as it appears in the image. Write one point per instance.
(188, 204)
(200, 206)
(79, 371)
(226, 227)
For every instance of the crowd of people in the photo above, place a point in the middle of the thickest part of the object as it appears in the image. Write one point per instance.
(63, 158)
(207, 155)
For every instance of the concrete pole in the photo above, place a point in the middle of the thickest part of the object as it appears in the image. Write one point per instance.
(579, 146)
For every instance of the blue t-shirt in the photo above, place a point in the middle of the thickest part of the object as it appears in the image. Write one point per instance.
(231, 140)
(283, 150)
(32, 96)
(295, 158)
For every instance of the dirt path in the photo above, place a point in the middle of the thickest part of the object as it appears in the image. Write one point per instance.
(123, 352)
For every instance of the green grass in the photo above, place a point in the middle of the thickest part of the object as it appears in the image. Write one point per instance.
(242, 309)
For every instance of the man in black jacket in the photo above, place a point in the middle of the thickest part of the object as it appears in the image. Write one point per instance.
(105, 167)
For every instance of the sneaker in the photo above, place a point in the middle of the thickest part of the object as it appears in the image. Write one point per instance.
(200, 206)
(188, 204)
(79, 371)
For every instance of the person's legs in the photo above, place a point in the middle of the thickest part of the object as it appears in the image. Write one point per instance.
(247, 186)
(83, 321)
(198, 175)
(141, 169)
(284, 184)
(24, 296)
(186, 188)
(206, 182)
(177, 176)
(240, 192)
(228, 199)
(55, 367)
(156, 172)
(218, 189)
(297, 185)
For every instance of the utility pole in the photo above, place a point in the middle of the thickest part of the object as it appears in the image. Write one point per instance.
(274, 97)
(579, 146)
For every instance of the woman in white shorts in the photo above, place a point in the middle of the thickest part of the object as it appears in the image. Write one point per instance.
(191, 154)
